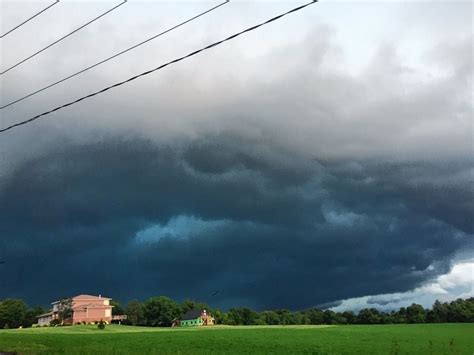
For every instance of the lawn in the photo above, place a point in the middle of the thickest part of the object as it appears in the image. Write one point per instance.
(355, 339)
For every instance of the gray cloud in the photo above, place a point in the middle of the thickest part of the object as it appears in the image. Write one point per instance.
(258, 232)
(281, 175)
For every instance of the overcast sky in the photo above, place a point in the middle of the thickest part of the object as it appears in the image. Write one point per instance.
(324, 159)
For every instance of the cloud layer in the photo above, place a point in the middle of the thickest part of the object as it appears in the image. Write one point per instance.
(218, 214)
(292, 174)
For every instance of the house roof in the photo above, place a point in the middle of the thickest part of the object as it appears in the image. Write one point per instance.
(90, 297)
(45, 315)
(82, 297)
(193, 314)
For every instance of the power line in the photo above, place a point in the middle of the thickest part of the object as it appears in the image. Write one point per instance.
(112, 57)
(63, 37)
(29, 19)
(215, 44)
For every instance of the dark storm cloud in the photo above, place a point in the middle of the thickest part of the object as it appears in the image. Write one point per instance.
(267, 227)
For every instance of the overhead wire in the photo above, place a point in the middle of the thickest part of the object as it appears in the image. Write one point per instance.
(63, 37)
(215, 44)
(113, 56)
(29, 19)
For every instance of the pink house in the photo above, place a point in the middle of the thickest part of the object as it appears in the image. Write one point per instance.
(84, 309)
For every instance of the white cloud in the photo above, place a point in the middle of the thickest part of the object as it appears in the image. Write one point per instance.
(180, 227)
(461, 275)
(458, 283)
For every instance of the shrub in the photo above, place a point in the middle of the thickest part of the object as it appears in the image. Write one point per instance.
(55, 322)
(101, 324)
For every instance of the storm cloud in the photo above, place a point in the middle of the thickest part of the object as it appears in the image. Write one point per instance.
(293, 176)
(208, 215)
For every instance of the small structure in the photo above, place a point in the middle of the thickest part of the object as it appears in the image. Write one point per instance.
(196, 317)
(119, 318)
(79, 309)
(46, 318)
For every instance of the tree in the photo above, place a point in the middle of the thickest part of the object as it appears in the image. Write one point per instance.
(330, 317)
(13, 313)
(160, 311)
(287, 317)
(386, 318)
(65, 310)
(415, 313)
(461, 310)
(270, 317)
(134, 311)
(31, 315)
(399, 316)
(189, 305)
(117, 309)
(340, 319)
(219, 317)
(439, 312)
(304, 318)
(368, 316)
(241, 316)
(316, 316)
(349, 316)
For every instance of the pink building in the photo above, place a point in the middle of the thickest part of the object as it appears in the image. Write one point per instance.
(83, 308)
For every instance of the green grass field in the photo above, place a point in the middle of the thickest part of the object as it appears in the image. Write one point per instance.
(355, 339)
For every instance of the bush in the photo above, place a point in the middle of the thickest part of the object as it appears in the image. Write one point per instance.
(101, 324)
(55, 322)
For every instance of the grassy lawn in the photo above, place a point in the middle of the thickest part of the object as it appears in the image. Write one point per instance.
(357, 339)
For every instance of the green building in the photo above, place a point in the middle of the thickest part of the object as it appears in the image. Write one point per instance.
(196, 317)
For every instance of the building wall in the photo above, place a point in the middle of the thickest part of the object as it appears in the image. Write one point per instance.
(92, 310)
(95, 301)
(191, 322)
(204, 319)
(86, 308)
(92, 315)
(45, 320)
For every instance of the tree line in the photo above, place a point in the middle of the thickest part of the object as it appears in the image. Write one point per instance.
(162, 311)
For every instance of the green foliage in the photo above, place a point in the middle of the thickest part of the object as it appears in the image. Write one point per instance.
(316, 316)
(65, 311)
(461, 311)
(368, 316)
(135, 313)
(189, 305)
(415, 314)
(270, 317)
(241, 316)
(117, 309)
(349, 316)
(160, 311)
(13, 313)
(31, 314)
(55, 322)
(101, 324)
(219, 317)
